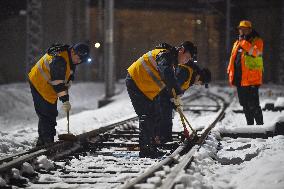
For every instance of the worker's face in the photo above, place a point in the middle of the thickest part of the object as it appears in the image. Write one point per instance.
(183, 57)
(75, 58)
(244, 30)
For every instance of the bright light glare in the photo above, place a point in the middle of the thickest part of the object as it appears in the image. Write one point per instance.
(89, 60)
(97, 45)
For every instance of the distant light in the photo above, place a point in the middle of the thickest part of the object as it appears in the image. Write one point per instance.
(22, 12)
(89, 60)
(195, 61)
(198, 21)
(97, 45)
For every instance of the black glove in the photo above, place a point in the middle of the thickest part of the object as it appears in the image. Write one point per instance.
(64, 98)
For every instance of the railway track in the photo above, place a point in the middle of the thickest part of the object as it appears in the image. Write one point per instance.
(109, 157)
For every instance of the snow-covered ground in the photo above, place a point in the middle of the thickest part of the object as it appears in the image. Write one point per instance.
(260, 162)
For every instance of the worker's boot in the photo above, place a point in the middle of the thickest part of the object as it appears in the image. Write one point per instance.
(39, 142)
(258, 116)
(249, 116)
(42, 141)
(150, 151)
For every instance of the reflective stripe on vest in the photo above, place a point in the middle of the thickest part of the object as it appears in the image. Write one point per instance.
(45, 76)
(151, 74)
(252, 62)
(257, 52)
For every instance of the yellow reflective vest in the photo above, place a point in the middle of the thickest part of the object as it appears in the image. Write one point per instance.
(39, 76)
(145, 74)
(186, 84)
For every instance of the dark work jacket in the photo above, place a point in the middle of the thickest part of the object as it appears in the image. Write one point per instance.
(166, 61)
(57, 72)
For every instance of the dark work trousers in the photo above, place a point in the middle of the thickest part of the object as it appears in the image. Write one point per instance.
(249, 99)
(47, 114)
(147, 111)
(166, 122)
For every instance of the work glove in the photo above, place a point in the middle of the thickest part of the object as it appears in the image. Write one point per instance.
(177, 102)
(68, 85)
(66, 106)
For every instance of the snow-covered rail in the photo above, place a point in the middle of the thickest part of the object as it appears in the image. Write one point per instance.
(159, 175)
(103, 158)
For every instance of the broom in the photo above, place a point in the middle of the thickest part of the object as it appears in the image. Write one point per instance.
(67, 136)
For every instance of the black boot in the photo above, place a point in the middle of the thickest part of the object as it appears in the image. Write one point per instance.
(249, 116)
(258, 116)
(42, 141)
(150, 151)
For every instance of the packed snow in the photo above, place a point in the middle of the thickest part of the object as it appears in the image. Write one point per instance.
(220, 163)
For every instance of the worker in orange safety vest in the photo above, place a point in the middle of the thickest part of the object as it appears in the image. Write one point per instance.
(245, 71)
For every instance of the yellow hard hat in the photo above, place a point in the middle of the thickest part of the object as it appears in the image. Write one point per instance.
(245, 23)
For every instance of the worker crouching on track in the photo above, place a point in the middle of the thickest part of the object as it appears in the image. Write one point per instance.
(187, 74)
(50, 78)
(146, 78)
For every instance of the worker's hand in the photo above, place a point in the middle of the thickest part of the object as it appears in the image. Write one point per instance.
(177, 101)
(68, 85)
(66, 106)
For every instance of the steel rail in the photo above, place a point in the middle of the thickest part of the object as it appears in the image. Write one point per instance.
(188, 146)
(169, 182)
(60, 149)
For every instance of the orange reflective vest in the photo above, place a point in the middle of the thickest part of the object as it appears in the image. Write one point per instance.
(145, 74)
(39, 76)
(253, 49)
(187, 83)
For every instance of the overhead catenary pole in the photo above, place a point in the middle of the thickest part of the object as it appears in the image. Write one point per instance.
(34, 32)
(108, 49)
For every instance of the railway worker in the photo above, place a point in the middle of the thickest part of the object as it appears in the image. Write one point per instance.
(187, 74)
(245, 71)
(50, 78)
(146, 78)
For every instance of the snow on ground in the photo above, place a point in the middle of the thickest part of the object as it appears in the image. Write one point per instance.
(238, 163)
(18, 120)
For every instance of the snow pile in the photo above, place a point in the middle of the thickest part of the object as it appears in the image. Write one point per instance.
(27, 168)
(45, 163)
(279, 102)
(239, 163)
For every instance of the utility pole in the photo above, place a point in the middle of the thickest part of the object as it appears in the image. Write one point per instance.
(34, 32)
(108, 49)
(100, 30)
(108, 52)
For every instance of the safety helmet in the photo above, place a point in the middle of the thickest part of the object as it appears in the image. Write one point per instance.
(83, 51)
(189, 47)
(245, 23)
(205, 75)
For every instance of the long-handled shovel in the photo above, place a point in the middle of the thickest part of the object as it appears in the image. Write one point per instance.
(68, 136)
(183, 118)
